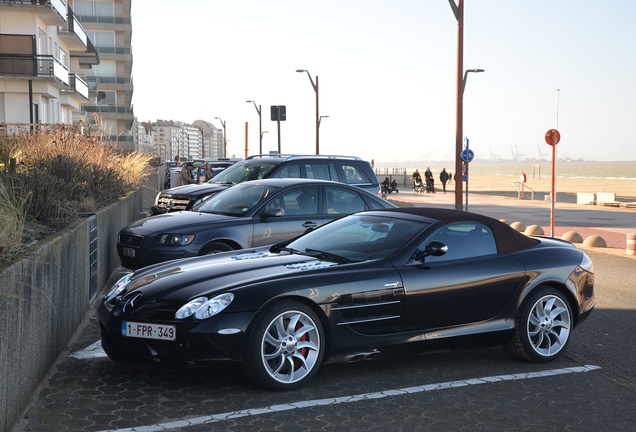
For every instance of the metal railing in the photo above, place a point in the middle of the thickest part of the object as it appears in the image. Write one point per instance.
(45, 66)
(58, 5)
(101, 19)
(518, 186)
(75, 27)
(118, 49)
(110, 79)
(108, 109)
(78, 85)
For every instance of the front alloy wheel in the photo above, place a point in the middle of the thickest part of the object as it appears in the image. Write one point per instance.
(285, 348)
(544, 327)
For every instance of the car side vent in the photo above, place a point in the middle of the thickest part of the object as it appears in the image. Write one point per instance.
(311, 265)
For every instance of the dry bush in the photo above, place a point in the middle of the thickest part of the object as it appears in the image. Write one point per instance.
(65, 173)
(12, 216)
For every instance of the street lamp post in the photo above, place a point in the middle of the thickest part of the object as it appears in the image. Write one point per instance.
(224, 136)
(260, 126)
(315, 86)
(458, 10)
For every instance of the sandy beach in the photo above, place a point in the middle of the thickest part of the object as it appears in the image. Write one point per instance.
(566, 188)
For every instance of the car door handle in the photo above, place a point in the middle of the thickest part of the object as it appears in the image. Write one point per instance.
(310, 224)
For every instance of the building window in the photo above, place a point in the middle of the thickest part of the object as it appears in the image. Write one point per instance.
(99, 8)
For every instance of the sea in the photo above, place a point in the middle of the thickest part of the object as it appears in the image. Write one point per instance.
(566, 168)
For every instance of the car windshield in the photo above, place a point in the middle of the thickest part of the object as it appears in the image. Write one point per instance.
(238, 200)
(358, 238)
(243, 171)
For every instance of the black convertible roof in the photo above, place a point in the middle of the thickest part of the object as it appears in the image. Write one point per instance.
(507, 239)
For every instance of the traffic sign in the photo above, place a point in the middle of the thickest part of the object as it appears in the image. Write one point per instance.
(552, 137)
(467, 155)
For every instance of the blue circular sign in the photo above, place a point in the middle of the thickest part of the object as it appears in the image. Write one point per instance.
(467, 155)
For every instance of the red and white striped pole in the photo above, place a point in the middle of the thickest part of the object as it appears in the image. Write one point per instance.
(552, 137)
(631, 244)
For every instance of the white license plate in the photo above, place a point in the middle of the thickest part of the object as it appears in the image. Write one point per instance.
(148, 331)
(129, 252)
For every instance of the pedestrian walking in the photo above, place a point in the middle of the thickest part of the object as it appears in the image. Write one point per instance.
(443, 177)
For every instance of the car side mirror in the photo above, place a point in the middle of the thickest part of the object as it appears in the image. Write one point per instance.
(434, 248)
(272, 213)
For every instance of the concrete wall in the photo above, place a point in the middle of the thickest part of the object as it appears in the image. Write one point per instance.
(44, 296)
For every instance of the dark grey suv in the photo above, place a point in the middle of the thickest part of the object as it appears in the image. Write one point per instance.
(343, 169)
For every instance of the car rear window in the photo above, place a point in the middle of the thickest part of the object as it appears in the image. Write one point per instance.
(354, 174)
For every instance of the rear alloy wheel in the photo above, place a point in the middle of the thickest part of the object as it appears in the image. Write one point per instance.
(285, 348)
(544, 327)
(214, 247)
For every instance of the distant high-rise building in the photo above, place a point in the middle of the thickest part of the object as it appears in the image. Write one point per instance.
(44, 54)
(109, 111)
(212, 139)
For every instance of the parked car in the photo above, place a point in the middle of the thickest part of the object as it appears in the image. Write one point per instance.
(250, 214)
(216, 164)
(344, 169)
(368, 285)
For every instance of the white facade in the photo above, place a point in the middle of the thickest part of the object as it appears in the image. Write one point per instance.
(44, 58)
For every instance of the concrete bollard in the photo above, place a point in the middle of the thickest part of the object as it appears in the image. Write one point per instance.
(631, 244)
(572, 237)
(534, 230)
(519, 226)
(595, 241)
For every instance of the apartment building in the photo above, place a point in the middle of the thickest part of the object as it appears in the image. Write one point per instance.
(212, 139)
(109, 110)
(44, 54)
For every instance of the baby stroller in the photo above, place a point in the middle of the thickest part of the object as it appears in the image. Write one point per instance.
(430, 185)
(418, 187)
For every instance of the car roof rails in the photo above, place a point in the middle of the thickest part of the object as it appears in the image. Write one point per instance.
(300, 156)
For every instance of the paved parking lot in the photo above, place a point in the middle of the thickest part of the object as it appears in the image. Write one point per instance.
(591, 388)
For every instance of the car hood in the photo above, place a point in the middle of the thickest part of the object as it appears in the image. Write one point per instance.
(185, 279)
(196, 189)
(177, 220)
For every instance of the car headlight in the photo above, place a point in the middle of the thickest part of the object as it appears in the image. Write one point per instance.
(119, 286)
(586, 264)
(174, 239)
(203, 308)
(214, 306)
(190, 308)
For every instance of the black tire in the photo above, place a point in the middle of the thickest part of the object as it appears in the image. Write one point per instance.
(544, 326)
(280, 357)
(214, 247)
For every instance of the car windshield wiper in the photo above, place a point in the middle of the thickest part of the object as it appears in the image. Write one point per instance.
(223, 182)
(326, 255)
(288, 249)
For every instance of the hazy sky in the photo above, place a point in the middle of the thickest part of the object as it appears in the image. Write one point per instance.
(387, 74)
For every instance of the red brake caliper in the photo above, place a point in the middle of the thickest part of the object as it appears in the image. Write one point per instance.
(302, 351)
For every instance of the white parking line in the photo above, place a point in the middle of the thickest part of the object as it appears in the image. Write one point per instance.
(349, 399)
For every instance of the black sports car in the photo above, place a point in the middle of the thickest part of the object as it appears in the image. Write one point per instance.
(250, 214)
(367, 285)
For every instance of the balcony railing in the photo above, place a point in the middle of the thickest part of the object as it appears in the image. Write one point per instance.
(119, 49)
(45, 66)
(108, 79)
(75, 27)
(78, 85)
(108, 109)
(99, 19)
